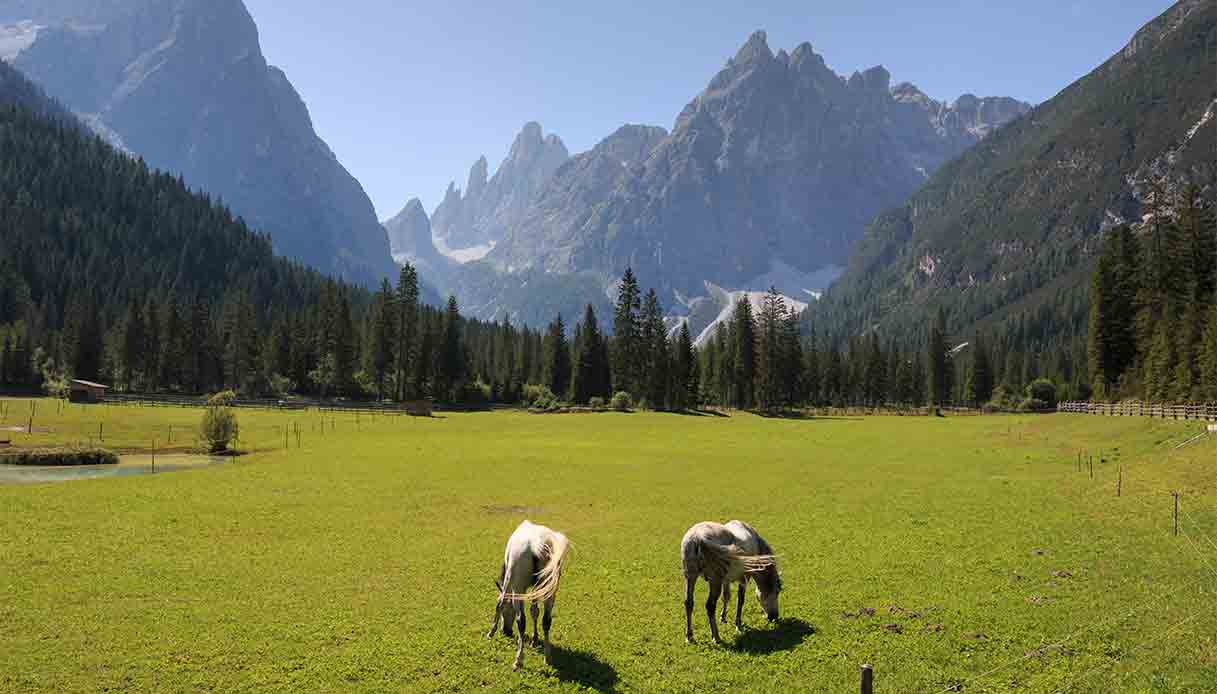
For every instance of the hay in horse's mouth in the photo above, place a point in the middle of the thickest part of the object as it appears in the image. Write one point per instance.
(507, 509)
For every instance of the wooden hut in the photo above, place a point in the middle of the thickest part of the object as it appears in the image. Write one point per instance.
(86, 391)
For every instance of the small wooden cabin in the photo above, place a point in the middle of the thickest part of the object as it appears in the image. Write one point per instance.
(86, 391)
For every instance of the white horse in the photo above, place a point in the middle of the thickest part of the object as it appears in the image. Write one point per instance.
(726, 554)
(532, 569)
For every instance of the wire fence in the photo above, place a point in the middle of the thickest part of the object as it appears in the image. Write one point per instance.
(1204, 411)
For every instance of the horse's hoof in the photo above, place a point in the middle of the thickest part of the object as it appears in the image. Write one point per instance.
(516, 666)
(536, 642)
(689, 639)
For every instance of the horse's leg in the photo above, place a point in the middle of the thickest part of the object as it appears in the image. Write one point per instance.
(536, 641)
(690, 581)
(548, 620)
(498, 612)
(711, 603)
(726, 601)
(519, 639)
(739, 607)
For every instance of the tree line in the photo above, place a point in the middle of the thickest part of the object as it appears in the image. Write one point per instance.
(1153, 309)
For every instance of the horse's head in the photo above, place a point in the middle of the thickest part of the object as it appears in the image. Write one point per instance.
(768, 586)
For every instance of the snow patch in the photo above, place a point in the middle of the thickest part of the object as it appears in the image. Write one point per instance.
(15, 38)
(463, 255)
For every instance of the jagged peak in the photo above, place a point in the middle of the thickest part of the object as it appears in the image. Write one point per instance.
(755, 49)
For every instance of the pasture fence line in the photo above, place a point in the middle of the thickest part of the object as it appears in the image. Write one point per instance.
(1194, 411)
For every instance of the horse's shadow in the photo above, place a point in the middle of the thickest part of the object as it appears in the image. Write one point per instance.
(787, 634)
(583, 668)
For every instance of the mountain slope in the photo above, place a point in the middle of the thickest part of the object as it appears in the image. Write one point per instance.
(83, 225)
(778, 160)
(183, 84)
(1014, 222)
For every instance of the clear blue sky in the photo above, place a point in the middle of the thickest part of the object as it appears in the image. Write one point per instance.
(409, 94)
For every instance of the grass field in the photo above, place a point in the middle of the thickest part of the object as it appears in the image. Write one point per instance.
(364, 560)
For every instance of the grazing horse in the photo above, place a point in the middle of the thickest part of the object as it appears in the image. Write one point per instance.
(726, 554)
(532, 569)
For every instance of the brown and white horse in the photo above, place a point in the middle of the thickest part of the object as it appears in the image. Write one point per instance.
(726, 554)
(532, 570)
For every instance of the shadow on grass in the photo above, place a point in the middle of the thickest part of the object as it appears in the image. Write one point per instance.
(787, 634)
(807, 416)
(584, 668)
(701, 413)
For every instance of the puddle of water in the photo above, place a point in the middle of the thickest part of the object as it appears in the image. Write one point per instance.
(128, 465)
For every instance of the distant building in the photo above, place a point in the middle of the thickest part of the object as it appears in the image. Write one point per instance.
(87, 391)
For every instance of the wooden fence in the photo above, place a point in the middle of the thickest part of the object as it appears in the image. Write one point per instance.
(421, 408)
(1205, 412)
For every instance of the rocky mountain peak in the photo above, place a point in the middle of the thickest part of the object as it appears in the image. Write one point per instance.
(490, 205)
(755, 49)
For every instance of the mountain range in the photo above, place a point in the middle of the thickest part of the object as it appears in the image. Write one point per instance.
(769, 176)
(184, 85)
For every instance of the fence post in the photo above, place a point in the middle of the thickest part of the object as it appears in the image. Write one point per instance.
(1176, 495)
(868, 679)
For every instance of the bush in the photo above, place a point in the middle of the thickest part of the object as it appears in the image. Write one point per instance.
(622, 401)
(1035, 405)
(224, 398)
(219, 428)
(1043, 391)
(59, 456)
(546, 402)
(532, 392)
(597, 403)
(476, 394)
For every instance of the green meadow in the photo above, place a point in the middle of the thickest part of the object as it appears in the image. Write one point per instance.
(957, 554)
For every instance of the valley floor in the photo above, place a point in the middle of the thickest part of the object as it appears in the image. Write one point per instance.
(966, 553)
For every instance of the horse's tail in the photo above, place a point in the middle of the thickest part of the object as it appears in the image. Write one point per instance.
(720, 560)
(550, 575)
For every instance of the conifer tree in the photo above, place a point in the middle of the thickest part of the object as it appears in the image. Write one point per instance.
(684, 369)
(407, 331)
(132, 348)
(557, 358)
(452, 355)
(590, 376)
(653, 344)
(383, 336)
(626, 348)
(981, 376)
(938, 388)
(1208, 356)
(743, 330)
(811, 369)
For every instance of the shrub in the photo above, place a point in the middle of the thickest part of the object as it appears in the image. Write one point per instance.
(1043, 391)
(224, 398)
(1035, 405)
(532, 392)
(59, 456)
(219, 428)
(546, 402)
(622, 401)
(597, 403)
(476, 393)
